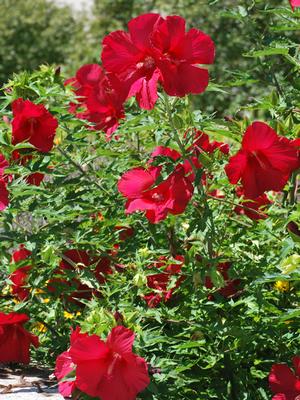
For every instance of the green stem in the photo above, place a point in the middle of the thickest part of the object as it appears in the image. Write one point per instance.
(212, 233)
(294, 189)
(80, 169)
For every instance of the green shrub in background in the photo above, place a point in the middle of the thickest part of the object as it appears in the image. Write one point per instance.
(35, 32)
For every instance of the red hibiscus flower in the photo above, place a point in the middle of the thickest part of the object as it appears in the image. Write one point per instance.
(108, 370)
(170, 196)
(161, 281)
(20, 275)
(284, 383)
(294, 4)
(265, 161)
(249, 206)
(230, 288)
(33, 123)
(15, 340)
(158, 50)
(4, 195)
(101, 97)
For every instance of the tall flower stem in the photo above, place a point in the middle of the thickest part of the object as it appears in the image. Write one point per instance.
(176, 136)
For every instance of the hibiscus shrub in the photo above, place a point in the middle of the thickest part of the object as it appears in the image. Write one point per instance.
(150, 249)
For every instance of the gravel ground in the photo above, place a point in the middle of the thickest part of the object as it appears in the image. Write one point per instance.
(27, 385)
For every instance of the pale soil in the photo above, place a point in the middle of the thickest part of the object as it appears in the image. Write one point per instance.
(27, 385)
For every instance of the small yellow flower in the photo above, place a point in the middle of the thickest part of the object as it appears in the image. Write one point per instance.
(68, 315)
(7, 290)
(39, 291)
(282, 286)
(57, 140)
(46, 301)
(39, 327)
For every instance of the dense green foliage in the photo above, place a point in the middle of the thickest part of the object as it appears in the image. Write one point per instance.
(205, 349)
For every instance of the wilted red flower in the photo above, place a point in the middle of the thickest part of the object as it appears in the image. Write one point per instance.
(33, 179)
(170, 196)
(4, 195)
(247, 205)
(284, 383)
(15, 340)
(201, 143)
(230, 288)
(160, 282)
(265, 161)
(33, 123)
(108, 370)
(158, 50)
(101, 97)
(20, 275)
(125, 232)
(294, 4)
(294, 228)
(79, 259)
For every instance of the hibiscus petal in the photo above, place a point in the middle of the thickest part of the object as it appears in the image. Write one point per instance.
(256, 180)
(198, 48)
(259, 136)
(283, 156)
(89, 74)
(89, 376)
(182, 79)
(169, 35)
(136, 374)
(141, 27)
(296, 363)
(120, 340)
(134, 182)
(64, 365)
(3, 164)
(145, 89)
(236, 166)
(87, 349)
(119, 53)
(139, 205)
(281, 379)
(166, 152)
(4, 199)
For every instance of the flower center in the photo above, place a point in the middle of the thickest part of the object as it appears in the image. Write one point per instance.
(261, 159)
(32, 124)
(115, 358)
(157, 197)
(148, 63)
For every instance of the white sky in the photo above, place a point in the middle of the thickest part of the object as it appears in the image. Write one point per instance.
(77, 5)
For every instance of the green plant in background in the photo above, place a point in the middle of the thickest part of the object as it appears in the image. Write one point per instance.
(35, 32)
